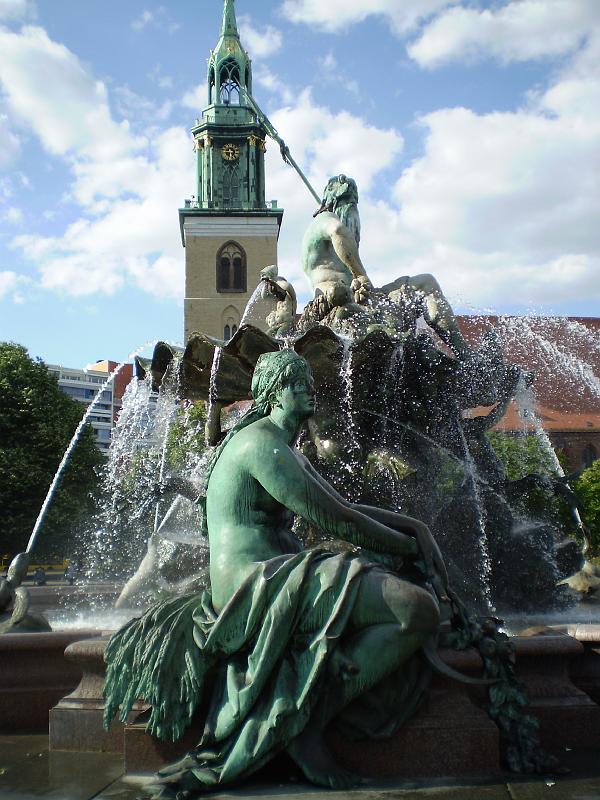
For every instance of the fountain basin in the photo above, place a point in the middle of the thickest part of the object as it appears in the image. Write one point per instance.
(35, 675)
(450, 735)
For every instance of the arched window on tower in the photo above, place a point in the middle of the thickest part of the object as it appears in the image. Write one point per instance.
(231, 268)
(589, 455)
(231, 321)
(211, 86)
(229, 83)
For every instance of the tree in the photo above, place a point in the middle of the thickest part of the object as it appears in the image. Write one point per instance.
(527, 454)
(587, 489)
(37, 421)
(522, 455)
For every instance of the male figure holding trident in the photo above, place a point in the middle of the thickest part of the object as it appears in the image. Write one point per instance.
(331, 262)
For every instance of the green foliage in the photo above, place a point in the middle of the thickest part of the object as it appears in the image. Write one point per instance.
(522, 455)
(186, 437)
(587, 489)
(37, 421)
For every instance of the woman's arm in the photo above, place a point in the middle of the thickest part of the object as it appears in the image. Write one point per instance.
(277, 468)
(414, 527)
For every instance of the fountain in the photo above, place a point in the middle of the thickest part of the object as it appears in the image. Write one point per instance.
(404, 408)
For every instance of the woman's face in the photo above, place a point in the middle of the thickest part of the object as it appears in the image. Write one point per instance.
(298, 398)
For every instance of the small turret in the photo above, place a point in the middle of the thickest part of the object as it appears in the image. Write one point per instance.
(229, 65)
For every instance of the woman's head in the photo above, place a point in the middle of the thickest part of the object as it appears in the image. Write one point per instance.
(274, 372)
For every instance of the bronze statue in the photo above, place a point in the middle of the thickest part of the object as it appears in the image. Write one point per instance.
(284, 637)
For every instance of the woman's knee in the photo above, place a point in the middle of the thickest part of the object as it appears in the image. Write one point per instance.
(414, 608)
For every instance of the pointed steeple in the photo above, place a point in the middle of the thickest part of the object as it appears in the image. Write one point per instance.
(229, 26)
(229, 65)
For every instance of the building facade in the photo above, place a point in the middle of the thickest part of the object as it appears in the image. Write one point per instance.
(83, 386)
(228, 230)
(563, 354)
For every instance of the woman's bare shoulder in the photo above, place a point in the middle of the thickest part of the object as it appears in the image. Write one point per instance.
(259, 436)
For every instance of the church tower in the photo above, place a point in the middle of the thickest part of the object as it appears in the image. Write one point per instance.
(228, 231)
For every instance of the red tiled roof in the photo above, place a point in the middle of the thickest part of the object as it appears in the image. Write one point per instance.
(564, 352)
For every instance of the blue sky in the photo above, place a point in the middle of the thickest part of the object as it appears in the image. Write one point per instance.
(472, 128)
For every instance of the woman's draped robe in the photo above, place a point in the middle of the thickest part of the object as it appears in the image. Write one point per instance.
(256, 671)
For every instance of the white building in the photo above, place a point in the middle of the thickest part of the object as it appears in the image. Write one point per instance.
(83, 385)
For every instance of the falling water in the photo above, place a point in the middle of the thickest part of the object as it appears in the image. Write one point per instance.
(68, 452)
(481, 515)
(523, 332)
(212, 385)
(172, 383)
(346, 374)
(256, 296)
(525, 401)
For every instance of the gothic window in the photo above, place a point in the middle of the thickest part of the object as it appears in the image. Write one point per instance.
(590, 454)
(230, 322)
(211, 86)
(231, 269)
(231, 185)
(229, 82)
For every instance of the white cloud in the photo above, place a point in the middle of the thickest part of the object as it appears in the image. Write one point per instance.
(134, 240)
(11, 284)
(273, 83)
(16, 9)
(503, 207)
(159, 78)
(127, 186)
(518, 31)
(43, 80)
(9, 142)
(336, 15)
(196, 98)
(158, 18)
(13, 215)
(138, 110)
(331, 73)
(260, 43)
(145, 18)
(8, 281)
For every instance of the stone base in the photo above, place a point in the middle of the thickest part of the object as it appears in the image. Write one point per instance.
(568, 716)
(585, 669)
(34, 675)
(76, 722)
(145, 753)
(450, 736)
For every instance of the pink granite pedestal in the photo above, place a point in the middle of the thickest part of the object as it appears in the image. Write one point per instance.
(568, 716)
(76, 723)
(449, 736)
(585, 668)
(34, 675)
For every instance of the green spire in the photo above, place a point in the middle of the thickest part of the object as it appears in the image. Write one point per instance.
(229, 26)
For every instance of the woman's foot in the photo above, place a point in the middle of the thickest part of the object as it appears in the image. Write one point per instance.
(312, 755)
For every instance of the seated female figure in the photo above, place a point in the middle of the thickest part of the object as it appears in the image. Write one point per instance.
(289, 637)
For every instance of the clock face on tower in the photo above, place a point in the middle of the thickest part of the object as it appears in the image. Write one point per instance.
(230, 152)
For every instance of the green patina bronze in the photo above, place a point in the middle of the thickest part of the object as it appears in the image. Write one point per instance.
(285, 639)
(340, 284)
